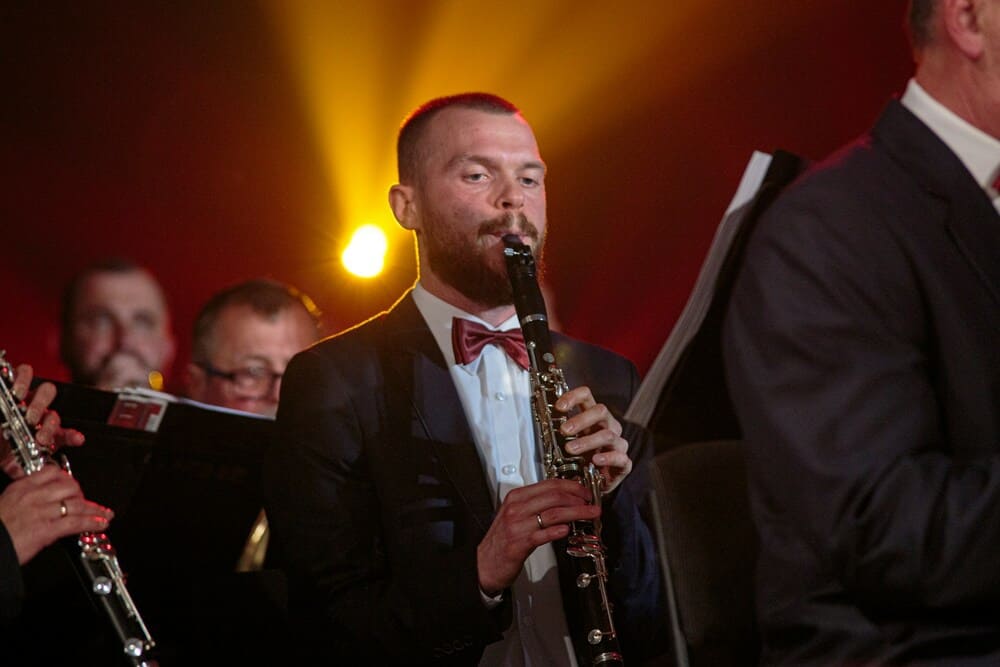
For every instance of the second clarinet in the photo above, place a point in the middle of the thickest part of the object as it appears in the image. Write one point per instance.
(95, 556)
(583, 545)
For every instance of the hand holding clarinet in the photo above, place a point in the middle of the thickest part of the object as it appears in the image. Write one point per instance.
(39, 509)
(583, 458)
(30, 438)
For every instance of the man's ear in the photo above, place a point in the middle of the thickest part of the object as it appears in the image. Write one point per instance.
(962, 24)
(195, 380)
(403, 205)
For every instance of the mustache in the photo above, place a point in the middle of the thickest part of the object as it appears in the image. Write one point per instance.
(508, 224)
(120, 354)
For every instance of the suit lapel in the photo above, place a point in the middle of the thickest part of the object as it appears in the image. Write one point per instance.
(976, 231)
(972, 221)
(417, 369)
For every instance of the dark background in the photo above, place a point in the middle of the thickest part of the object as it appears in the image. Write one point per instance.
(183, 135)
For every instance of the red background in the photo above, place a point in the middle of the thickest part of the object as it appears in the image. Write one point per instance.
(175, 135)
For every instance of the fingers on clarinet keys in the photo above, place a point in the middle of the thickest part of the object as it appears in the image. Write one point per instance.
(541, 524)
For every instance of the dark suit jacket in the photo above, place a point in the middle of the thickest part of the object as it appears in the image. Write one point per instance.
(863, 353)
(11, 582)
(378, 498)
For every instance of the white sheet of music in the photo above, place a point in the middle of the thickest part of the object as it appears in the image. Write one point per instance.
(641, 409)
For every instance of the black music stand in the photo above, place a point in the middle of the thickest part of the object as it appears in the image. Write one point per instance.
(185, 496)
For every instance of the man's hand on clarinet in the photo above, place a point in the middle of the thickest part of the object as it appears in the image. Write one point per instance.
(599, 435)
(540, 513)
(529, 516)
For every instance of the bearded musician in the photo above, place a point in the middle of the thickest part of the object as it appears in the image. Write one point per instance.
(406, 503)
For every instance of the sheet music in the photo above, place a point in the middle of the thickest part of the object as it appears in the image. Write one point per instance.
(143, 409)
(644, 403)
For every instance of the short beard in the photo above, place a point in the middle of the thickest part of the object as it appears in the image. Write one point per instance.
(466, 267)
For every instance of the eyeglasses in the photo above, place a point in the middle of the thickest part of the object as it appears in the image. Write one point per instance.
(253, 381)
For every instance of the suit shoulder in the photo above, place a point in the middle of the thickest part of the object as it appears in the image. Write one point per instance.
(612, 377)
(572, 350)
(357, 340)
(877, 177)
(850, 170)
(859, 195)
(350, 354)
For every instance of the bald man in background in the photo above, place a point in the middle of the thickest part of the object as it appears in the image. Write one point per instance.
(115, 327)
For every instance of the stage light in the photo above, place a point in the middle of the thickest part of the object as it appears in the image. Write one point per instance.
(364, 256)
(362, 66)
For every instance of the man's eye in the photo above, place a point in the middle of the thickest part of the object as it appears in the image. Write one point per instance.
(529, 182)
(98, 321)
(477, 177)
(144, 321)
(256, 371)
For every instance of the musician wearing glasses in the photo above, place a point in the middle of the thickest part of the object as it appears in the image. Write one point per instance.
(37, 510)
(407, 502)
(243, 339)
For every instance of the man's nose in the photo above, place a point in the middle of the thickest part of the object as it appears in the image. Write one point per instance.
(121, 335)
(511, 195)
(126, 336)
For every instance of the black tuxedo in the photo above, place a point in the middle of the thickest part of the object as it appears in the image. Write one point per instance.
(11, 583)
(378, 498)
(863, 353)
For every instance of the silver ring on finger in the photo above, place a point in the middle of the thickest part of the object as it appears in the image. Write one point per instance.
(541, 524)
(63, 510)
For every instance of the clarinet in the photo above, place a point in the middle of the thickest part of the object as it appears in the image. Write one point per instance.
(583, 545)
(97, 557)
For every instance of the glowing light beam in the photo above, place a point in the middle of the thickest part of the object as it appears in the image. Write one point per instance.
(573, 66)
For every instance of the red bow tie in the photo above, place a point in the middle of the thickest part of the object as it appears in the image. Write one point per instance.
(469, 338)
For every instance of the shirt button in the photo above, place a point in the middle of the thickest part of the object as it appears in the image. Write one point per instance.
(499, 396)
(508, 469)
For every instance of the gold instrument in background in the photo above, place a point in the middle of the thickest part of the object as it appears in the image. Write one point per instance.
(96, 556)
(583, 545)
(255, 550)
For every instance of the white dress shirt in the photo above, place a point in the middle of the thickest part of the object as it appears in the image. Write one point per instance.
(495, 396)
(978, 151)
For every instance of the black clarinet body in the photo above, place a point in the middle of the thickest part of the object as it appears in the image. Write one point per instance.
(95, 558)
(583, 545)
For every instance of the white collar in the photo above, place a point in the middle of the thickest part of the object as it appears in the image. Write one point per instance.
(978, 151)
(438, 314)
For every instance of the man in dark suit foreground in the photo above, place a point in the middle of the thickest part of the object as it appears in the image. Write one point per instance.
(863, 357)
(406, 501)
